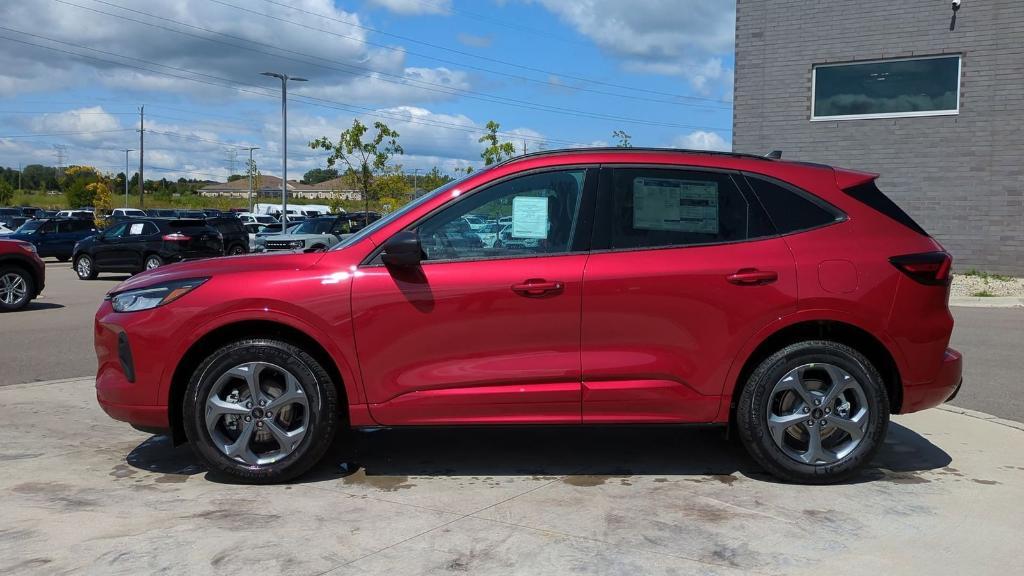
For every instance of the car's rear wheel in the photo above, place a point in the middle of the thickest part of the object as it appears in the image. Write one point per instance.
(236, 250)
(85, 267)
(153, 261)
(16, 289)
(261, 411)
(814, 412)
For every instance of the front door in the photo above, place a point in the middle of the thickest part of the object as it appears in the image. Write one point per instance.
(478, 333)
(685, 269)
(106, 250)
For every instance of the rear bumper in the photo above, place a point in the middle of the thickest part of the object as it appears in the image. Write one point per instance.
(945, 385)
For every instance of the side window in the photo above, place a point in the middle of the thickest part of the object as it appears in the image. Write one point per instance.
(136, 229)
(56, 227)
(534, 214)
(81, 225)
(117, 231)
(788, 209)
(652, 208)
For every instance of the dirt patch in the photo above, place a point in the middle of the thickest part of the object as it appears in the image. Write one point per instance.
(383, 483)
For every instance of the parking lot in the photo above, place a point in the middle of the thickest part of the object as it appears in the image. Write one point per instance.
(81, 493)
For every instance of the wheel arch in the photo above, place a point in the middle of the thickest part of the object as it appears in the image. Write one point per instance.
(231, 332)
(22, 264)
(824, 329)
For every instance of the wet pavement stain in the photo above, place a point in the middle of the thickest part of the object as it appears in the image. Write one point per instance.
(122, 471)
(383, 483)
(587, 481)
(171, 479)
(985, 482)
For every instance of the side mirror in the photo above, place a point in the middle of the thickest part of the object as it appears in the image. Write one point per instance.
(403, 250)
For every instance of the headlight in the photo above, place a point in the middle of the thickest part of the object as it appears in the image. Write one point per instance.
(147, 298)
(28, 246)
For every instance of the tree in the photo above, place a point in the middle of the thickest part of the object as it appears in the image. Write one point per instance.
(87, 186)
(495, 151)
(433, 179)
(393, 190)
(318, 175)
(234, 177)
(365, 159)
(6, 192)
(623, 139)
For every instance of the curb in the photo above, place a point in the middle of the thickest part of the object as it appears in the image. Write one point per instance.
(986, 301)
(982, 416)
(89, 379)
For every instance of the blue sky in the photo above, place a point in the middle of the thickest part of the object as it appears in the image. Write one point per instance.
(554, 73)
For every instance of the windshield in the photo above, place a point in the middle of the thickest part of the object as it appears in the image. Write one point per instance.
(29, 227)
(266, 219)
(358, 236)
(314, 226)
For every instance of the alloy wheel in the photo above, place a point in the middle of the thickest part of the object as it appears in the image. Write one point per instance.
(13, 288)
(152, 263)
(257, 413)
(84, 267)
(817, 413)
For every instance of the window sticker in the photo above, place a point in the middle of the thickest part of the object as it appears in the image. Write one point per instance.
(529, 217)
(136, 229)
(675, 205)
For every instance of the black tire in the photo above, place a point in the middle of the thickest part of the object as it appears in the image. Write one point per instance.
(752, 412)
(236, 250)
(87, 272)
(154, 259)
(17, 303)
(62, 258)
(320, 391)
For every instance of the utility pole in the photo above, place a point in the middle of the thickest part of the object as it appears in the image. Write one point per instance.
(252, 170)
(19, 177)
(524, 146)
(61, 150)
(232, 154)
(415, 189)
(284, 143)
(142, 149)
(126, 151)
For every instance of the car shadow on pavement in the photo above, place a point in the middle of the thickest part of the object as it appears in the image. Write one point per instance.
(551, 451)
(37, 305)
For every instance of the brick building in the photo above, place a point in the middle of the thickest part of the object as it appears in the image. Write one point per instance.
(931, 99)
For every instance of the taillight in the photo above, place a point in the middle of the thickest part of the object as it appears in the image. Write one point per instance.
(930, 268)
(176, 237)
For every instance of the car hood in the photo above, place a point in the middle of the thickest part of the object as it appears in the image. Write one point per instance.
(219, 266)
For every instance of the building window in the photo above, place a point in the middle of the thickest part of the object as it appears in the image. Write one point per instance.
(886, 88)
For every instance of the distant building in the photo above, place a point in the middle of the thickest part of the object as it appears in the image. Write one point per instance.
(931, 99)
(270, 186)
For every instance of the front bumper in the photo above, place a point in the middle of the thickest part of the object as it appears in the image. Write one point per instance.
(128, 374)
(944, 387)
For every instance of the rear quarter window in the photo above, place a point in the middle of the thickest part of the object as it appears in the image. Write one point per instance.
(791, 209)
(870, 194)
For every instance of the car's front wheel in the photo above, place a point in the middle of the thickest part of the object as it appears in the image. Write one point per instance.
(153, 261)
(16, 289)
(85, 267)
(814, 412)
(236, 250)
(261, 411)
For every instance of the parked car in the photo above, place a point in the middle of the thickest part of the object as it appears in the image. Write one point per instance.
(128, 213)
(489, 234)
(248, 217)
(4, 230)
(144, 244)
(12, 217)
(359, 220)
(792, 301)
(22, 274)
(312, 235)
(87, 214)
(234, 236)
(164, 213)
(212, 212)
(55, 237)
(31, 212)
(251, 229)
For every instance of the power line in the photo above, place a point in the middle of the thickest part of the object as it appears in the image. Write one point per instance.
(384, 76)
(457, 51)
(258, 90)
(76, 133)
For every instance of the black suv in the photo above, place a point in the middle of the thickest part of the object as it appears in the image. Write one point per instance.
(235, 236)
(145, 243)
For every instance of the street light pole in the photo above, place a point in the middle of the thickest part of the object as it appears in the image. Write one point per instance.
(251, 170)
(126, 151)
(284, 143)
(415, 190)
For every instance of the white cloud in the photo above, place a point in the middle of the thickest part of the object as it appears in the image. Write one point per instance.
(685, 38)
(702, 140)
(331, 50)
(475, 41)
(411, 7)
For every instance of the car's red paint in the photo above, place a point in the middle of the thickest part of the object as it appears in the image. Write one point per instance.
(621, 336)
(21, 254)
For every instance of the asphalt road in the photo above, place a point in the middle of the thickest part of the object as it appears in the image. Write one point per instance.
(52, 339)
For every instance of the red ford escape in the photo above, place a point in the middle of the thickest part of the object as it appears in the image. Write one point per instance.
(793, 301)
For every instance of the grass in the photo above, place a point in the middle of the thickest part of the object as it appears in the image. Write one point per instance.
(986, 276)
(983, 294)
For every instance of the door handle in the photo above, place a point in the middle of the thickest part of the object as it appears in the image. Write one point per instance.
(537, 287)
(752, 277)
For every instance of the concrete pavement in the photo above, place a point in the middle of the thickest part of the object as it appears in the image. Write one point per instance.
(84, 494)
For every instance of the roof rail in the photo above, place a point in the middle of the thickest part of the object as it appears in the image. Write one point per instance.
(592, 149)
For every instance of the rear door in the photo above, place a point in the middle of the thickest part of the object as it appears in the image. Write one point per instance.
(478, 334)
(685, 267)
(106, 249)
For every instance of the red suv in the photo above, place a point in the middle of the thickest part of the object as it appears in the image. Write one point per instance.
(793, 301)
(22, 274)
